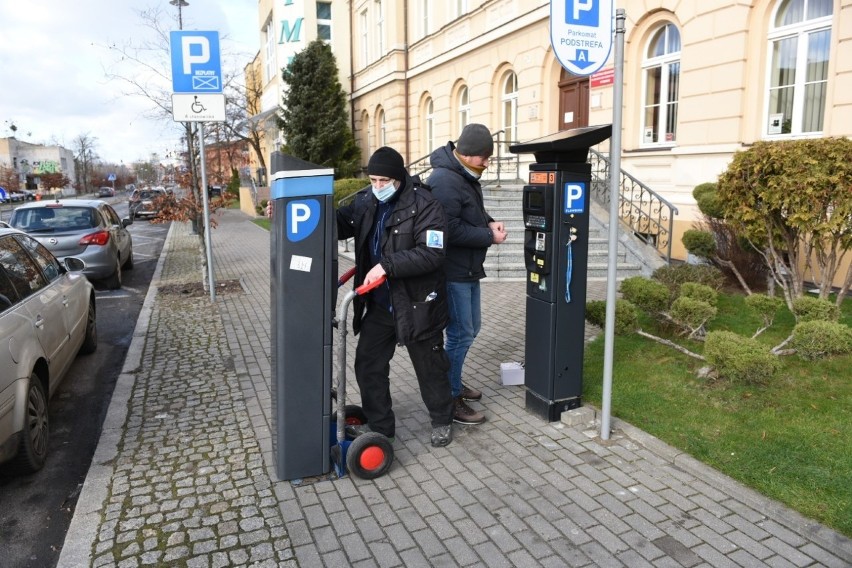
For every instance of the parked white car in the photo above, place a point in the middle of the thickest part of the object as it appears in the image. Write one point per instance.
(47, 317)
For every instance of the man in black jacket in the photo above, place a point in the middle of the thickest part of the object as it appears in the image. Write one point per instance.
(398, 229)
(470, 231)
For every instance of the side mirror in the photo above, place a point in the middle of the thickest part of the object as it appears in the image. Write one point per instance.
(74, 264)
(126, 221)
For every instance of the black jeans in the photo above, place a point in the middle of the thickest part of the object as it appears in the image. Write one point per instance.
(376, 346)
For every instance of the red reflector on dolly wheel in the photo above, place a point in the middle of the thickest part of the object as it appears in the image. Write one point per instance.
(372, 458)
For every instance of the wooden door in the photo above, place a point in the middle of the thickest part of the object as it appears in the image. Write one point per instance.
(573, 101)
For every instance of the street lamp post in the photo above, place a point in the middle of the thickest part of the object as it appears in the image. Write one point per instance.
(180, 4)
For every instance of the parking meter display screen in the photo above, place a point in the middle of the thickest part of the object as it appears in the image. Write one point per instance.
(535, 200)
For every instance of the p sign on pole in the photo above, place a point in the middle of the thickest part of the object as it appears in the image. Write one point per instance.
(196, 63)
(581, 33)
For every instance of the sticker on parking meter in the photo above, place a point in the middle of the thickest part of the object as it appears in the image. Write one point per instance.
(301, 263)
(302, 218)
(575, 197)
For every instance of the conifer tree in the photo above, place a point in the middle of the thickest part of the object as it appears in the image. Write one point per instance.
(315, 123)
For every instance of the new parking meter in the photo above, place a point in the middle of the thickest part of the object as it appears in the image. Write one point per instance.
(556, 246)
(302, 293)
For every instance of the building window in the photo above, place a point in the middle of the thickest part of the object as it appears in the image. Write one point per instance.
(429, 126)
(509, 101)
(424, 18)
(366, 141)
(324, 21)
(380, 30)
(270, 52)
(461, 8)
(365, 39)
(464, 107)
(798, 75)
(662, 80)
(383, 129)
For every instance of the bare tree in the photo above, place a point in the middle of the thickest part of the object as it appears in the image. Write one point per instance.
(85, 156)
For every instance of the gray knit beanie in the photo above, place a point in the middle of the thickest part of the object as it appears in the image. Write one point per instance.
(475, 140)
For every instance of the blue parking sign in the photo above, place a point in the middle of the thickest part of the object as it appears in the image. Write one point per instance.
(196, 62)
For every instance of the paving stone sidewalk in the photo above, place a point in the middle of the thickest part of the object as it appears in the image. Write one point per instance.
(184, 474)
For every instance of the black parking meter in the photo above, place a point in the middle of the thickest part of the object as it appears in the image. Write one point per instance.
(302, 296)
(556, 247)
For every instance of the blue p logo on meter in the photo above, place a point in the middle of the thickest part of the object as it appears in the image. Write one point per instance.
(575, 198)
(302, 218)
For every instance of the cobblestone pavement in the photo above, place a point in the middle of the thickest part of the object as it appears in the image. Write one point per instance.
(184, 474)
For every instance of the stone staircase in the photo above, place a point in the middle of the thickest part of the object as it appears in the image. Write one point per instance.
(506, 261)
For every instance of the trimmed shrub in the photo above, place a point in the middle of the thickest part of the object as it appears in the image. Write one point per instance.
(818, 339)
(740, 359)
(699, 243)
(691, 312)
(675, 275)
(648, 295)
(706, 197)
(343, 188)
(698, 291)
(808, 308)
(763, 305)
(626, 316)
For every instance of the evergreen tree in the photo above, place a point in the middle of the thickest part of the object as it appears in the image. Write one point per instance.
(315, 122)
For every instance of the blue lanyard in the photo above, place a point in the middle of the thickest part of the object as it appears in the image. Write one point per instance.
(568, 263)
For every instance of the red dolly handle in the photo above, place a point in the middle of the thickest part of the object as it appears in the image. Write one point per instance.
(346, 276)
(364, 288)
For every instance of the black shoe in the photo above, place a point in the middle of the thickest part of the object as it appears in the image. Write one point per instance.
(468, 393)
(463, 414)
(442, 435)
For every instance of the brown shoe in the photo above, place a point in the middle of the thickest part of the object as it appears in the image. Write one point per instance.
(468, 393)
(463, 414)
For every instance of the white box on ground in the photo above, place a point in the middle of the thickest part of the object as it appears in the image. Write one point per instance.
(512, 373)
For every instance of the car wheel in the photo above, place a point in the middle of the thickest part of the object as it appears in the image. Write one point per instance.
(32, 450)
(90, 341)
(128, 264)
(114, 281)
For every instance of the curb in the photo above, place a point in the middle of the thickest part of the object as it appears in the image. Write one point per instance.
(82, 532)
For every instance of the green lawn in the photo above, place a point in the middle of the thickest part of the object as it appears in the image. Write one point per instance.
(791, 439)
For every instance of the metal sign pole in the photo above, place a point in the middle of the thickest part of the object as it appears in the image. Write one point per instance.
(614, 174)
(204, 199)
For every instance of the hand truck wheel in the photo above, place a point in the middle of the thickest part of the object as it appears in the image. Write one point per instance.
(369, 456)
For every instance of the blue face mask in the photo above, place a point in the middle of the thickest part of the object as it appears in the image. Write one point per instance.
(384, 193)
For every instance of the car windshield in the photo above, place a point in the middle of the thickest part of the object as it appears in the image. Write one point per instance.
(54, 219)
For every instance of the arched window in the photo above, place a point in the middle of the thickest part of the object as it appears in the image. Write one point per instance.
(382, 141)
(662, 80)
(464, 107)
(799, 40)
(368, 133)
(509, 101)
(429, 126)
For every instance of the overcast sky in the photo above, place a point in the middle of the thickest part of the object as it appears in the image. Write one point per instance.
(56, 57)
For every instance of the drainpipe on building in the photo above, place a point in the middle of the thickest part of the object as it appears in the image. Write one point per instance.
(405, 70)
(352, 81)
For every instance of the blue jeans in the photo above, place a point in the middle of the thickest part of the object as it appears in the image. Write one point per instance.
(463, 299)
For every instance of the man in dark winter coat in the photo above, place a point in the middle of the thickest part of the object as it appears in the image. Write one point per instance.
(470, 231)
(398, 229)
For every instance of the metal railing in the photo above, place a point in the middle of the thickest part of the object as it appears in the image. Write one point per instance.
(503, 165)
(645, 212)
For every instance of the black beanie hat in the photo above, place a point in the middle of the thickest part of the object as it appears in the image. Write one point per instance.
(475, 140)
(386, 162)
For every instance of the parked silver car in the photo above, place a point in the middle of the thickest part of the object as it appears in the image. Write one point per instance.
(88, 229)
(47, 317)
